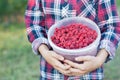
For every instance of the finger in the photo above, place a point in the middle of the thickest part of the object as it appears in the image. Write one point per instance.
(76, 65)
(62, 66)
(57, 56)
(77, 71)
(73, 64)
(83, 58)
(65, 72)
(70, 63)
(67, 66)
(59, 64)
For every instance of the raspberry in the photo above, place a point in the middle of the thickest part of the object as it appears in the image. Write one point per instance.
(73, 36)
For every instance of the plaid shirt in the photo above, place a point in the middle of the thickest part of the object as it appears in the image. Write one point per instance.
(41, 14)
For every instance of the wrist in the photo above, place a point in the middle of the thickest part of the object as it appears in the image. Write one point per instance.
(102, 56)
(43, 48)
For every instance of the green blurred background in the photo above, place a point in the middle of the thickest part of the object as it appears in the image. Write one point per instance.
(17, 61)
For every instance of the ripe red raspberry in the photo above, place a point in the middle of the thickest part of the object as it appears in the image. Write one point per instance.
(73, 36)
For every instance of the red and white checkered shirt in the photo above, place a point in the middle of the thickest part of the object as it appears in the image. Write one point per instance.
(41, 14)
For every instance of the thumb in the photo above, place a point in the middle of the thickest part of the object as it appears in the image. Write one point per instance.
(83, 58)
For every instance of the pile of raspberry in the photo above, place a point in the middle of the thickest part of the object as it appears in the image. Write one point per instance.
(73, 36)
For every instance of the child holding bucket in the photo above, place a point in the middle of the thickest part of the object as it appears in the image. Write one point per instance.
(42, 14)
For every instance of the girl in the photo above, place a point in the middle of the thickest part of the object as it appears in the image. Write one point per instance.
(41, 14)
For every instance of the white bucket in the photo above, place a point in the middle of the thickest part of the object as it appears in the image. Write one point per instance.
(72, 53)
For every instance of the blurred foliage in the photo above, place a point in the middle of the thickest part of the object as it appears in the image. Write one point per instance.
(9, 7)
(12, 11)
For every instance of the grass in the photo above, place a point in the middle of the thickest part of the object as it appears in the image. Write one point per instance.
(17, 61)
(112, 68)
(118, 6)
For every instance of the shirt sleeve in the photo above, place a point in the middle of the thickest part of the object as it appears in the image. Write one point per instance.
(35, 24)
(109, 24)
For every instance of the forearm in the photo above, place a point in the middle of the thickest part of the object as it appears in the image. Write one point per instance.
(43, 48)
(102, 56)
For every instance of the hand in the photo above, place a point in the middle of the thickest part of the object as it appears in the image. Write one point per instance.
(89, 64)
(54, 60)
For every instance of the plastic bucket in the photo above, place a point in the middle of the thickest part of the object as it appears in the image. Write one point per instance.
(72, 53)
